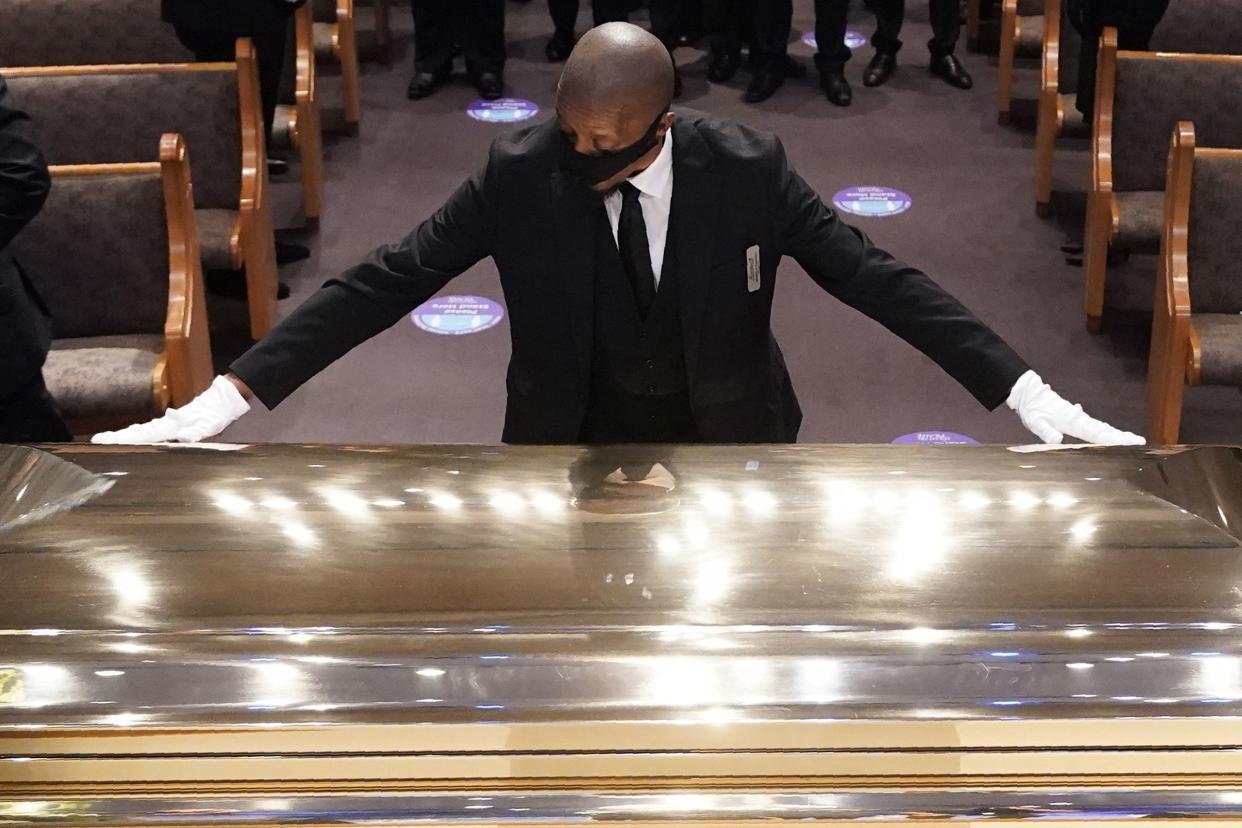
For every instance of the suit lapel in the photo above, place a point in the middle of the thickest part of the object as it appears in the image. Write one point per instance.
(692, 229)
(576, 213)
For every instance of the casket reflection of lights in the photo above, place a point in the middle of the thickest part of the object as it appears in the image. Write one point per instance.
(454, 635)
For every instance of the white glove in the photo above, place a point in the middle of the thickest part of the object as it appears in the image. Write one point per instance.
(204, 416)
(1051, 418)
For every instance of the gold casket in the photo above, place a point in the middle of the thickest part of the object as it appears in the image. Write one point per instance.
(313, 635)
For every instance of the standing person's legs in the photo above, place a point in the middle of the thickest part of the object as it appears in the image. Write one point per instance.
(433, 46)
(773, 20)
(564, 16)
(29, 415)
(270, 50)
(889, 17)
(433, 35)
(1138, 23)
(610, 11)
(665, 15)
(483, 35)
(722, 20)
(946, 25)
(831, 17)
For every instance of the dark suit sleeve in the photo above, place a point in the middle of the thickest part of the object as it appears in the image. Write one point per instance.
(844, 262)
(374, 295)
(24, 180)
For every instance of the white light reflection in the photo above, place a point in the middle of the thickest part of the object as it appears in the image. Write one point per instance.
(232, 503)
(276, 684)
(1078, 632)
(760, 502)
(346, 502)
(712, 581)
(46, 684)
(818, 679)
(975, 501)
(1023, 501)
(298, 532)
(124, 719)
(445, 501)
(129, 648)
(508, 503)
(278, 503)
(922, 538)
(668, 545)
(1061, 500)
(109, 673)
(1083, 530)
(923, 635)
(1220, 677)
(716, 502)
(1080, 665)
(845, 501)
(547, 503)
(430, 672)
(388, 503)
(129, 584)
(685, 682)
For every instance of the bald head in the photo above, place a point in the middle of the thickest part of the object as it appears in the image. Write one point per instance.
(618, 70)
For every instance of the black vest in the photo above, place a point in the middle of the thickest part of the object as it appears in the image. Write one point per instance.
(639, 392)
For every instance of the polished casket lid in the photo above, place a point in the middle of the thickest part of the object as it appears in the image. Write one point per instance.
(305, 584)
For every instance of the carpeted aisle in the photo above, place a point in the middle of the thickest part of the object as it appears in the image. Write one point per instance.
(971, 226)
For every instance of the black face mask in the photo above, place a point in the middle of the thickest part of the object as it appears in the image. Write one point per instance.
(596, 169)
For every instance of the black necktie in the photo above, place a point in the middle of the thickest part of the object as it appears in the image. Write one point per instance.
(635, 252)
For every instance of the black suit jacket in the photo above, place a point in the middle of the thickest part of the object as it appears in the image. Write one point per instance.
(732, 188)
(240, 17)
(25, 333)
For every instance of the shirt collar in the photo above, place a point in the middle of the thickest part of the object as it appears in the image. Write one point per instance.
(657, 180)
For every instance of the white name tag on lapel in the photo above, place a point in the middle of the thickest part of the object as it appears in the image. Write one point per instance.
(753, 269)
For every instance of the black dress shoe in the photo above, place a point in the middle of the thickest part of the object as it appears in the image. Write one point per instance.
(836, 87)
(765, 81)
(952, 70)
(559, 47)
(880, 69)
(424, 83)
(723, 65)
(490, 86)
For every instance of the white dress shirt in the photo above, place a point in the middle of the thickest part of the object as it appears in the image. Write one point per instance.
(655, 187)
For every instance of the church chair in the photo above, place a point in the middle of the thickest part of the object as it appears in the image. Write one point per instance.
(122, 32)
(297, 124)
(376, 44)
(1196, 334)
(114, 256)
(1189, 26)
(336, 42)
(114, 114)
(1140, 97)
(1021, 35)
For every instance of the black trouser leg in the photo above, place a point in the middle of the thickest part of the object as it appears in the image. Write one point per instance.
(482, 33)
(889, 17)
(30, 416)
(433, 35)
(831, 18)
(564, 15)
(772, 20)
(610, 11)
(209, 45)
(1136, 22)
(722, 20)
(946, 24)
(665, 15)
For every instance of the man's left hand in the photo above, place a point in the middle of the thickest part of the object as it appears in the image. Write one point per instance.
(1051, 418)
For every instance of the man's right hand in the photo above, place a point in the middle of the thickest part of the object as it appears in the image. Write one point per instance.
(204, 416)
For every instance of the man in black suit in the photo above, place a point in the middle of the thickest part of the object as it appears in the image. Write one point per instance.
(210, 28)
(27, 411)
(638, 251)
